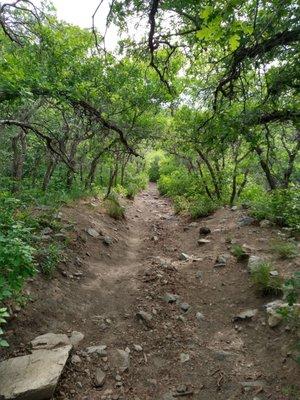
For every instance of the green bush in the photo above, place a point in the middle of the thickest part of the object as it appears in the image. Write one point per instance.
(114, 208)
(16, 253)
(154, 172)
(285, 250)
(281, 206)
(264, 282)
(186, 192)
(48, 258)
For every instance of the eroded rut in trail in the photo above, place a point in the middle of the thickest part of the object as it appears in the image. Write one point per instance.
(184, 344)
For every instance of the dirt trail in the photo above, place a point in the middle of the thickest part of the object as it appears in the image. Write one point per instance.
(182, 353)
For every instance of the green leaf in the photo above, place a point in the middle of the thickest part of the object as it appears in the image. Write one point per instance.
(206, 12)
(234, 42)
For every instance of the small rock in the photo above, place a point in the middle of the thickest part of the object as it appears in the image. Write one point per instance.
(234, 208)
(274, 273)
(171, 298)
(265, 223)
(184, 307)
(75, 359)
(221, 260)
(204, 230)
(145, 317)
(183, 257)
(184, 357)
(202, 242)
(92, 232)
(107, 240)
(247, 314)
(200, 316)
(99, 377)
(181, 389)
(274, 319)
(137, 347)
(121, 360)
(245, 221)
(99, 350)
(199, 274)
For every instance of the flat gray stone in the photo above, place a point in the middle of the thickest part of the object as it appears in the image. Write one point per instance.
(100, 350)
(202, 242)
(184, 307)
(32, 377)
(245, 221)
(171, 298)
(92, 232)
(50, 341)
(247, 314)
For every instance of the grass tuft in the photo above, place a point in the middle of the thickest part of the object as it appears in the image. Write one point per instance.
(264, 282)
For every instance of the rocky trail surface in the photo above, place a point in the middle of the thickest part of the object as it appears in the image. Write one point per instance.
(155, 311)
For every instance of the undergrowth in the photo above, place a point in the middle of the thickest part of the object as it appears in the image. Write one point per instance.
(114, 208)
(285, 249)
(264, 282)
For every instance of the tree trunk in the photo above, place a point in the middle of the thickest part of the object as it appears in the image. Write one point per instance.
(265, 167)
(49, 171)
(19, 153)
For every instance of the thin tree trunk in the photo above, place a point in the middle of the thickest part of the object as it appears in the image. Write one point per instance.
(49, 171)
(265, 167)
(19, 153)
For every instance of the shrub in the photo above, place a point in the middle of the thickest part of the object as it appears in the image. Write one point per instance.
(114, 208)
(264, 282)
(48, 258)
(281, 206)
(239, 252)
(291, 291)
(16, 253)
(202, 208)
(285, 250)
(131, 191)
(154, 172)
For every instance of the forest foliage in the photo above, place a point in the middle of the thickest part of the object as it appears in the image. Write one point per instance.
(205, 100)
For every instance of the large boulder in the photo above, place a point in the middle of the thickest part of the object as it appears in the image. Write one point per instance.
(32, 377)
